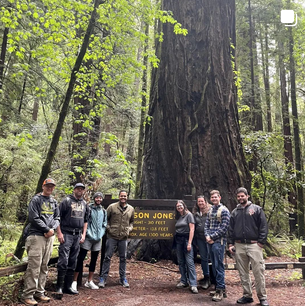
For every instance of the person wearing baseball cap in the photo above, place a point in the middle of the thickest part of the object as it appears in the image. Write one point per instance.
(74, 213)
(43, 221)
(96, 229)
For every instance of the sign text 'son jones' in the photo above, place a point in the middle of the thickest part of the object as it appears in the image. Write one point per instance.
(153, 224)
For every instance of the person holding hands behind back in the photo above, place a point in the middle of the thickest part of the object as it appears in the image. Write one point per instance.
(185, 227)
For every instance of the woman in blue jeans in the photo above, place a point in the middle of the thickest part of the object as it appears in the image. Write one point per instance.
(185, 227)
(200, 211)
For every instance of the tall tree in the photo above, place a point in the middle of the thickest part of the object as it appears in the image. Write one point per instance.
(193, 143)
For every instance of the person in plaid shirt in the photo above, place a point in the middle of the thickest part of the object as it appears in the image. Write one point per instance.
(216, 227)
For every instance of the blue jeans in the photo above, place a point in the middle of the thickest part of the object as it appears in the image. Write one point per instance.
(204, 255)
(186, 264)
(111, 244)
(217, 251)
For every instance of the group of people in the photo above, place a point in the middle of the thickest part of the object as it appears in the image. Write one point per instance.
(80, 228)
(210, 228)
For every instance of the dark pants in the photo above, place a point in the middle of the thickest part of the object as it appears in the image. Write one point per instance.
(81, 257)
(68, 252)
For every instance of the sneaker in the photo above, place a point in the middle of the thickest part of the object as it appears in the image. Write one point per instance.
(124, 283)
(29, 301)
(194, 289)
(74, 285)
(244, 300)
(212, 293)
(42, 298)
(181, 285)
(218, 296)
(264, 303)
(91, 285)
(102, 283)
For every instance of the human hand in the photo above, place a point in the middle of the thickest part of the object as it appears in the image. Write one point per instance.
(260, 245)
(49, 234)
(82, 239)
(61, 238)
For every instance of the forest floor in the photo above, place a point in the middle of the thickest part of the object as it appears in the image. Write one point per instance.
(155, 284)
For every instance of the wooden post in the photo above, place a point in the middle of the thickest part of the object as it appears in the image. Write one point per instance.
(302, 259)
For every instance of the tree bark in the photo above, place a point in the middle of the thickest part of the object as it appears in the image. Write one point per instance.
(193, 143)
(62, 116)
(143, 116)
(288, 155)
(296, 137)
(2, 55)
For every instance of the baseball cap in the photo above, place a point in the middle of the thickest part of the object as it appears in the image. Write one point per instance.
(48, 181)
(79, 185)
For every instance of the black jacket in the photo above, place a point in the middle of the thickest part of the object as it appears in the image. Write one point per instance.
(43, 215)
(248, 223)
(73, 213)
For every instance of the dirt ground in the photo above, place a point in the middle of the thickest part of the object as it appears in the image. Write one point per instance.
(154, 284)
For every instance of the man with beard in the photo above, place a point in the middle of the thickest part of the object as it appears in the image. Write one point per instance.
(120, 216)
(95, 231)
(71, 232)
(248, 232)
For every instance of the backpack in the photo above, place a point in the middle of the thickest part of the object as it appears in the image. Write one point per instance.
(219, 211)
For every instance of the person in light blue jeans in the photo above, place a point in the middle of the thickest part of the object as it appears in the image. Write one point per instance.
(185, 227)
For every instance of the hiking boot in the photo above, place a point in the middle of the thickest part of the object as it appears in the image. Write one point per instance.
(264, 303)
(102, 283)
(218, 296)
(194, 289)
(206, 283)
(29, 301)
(212, 293)
(244, 300)
(181, 285)
(42, 298)
(91, 285)
(124, 283)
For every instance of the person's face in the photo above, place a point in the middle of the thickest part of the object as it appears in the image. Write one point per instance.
(98, 200)
(78, 192)
(180, 208)
(201, 203)
(123, 197)
(47, 189)
(242, 198)
(215, 198)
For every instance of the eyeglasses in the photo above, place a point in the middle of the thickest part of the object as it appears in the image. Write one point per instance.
(179, 206)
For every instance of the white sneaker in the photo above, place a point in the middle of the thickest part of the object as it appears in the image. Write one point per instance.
(91, 285)
(74, 285)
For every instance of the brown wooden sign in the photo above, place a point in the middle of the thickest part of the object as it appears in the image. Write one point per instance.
(153, 224)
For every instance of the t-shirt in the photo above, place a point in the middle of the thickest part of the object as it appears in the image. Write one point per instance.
(182, 224)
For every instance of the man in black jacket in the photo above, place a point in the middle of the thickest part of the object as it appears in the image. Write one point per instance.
(74, 214)
(43, 221)
(248, 232)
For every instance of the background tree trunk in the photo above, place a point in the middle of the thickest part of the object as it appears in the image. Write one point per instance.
(193, 143)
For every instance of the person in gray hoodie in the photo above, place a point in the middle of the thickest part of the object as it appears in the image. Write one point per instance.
(95, 231)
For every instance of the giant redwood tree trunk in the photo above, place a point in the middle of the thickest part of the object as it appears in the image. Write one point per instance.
(193, 142)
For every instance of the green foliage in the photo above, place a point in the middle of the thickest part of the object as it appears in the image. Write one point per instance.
(272, 180)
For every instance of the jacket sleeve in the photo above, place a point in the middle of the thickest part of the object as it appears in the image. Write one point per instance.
(34, 215)
(105, 219)
(231, 238)
(131, 221)
(56, 217)
(263, 227)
